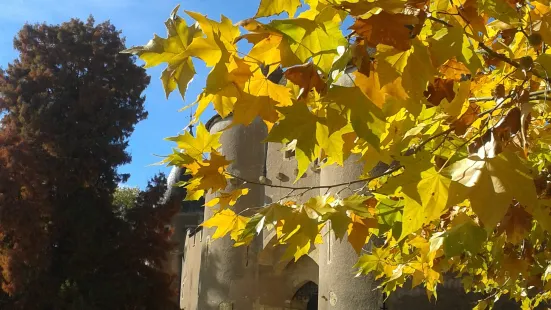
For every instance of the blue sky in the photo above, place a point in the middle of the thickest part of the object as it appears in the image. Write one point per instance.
(138, 20)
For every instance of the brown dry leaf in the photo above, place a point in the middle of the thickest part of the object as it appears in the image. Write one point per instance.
(419, 26)
(386, 28)
(476, 21)
(509, 125)
(455, 70)
(516, 223)
(360, 57)
(513, 267)
(307, 77)
(358, 231)
(508, 35)
(499, 92)
(438, 90)
(463, 122)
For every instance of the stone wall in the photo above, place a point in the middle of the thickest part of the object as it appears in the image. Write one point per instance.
(191, 265)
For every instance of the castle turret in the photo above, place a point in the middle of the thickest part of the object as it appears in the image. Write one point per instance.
(228, 274)
(338, 288)
(188, 217)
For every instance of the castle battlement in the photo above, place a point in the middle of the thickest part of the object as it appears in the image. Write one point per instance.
(216, 275)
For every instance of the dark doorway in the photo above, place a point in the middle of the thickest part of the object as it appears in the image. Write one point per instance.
(306, 297)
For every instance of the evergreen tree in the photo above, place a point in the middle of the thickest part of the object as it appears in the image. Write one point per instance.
(70, 102)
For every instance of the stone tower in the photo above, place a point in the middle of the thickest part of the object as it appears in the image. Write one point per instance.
(216, 275)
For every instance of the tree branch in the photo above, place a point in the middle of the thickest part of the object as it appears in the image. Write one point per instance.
(498, 55)
(387, 172)
(391, 170)
(533, 95)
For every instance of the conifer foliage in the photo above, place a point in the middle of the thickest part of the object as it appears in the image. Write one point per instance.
(69, 104)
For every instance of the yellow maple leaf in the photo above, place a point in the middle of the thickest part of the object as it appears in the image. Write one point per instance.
(276, 7)
(225, 29)
(205, 49)
(248, 107)
(374, 262)
(298, 232)
(258, 85)
(427, 193)
(271, 49)
(202, 143)
(318, 206)
(425, 273)
(224, 84)
(493, 184)
(366, 118)
(211, 172)
(332, 143)
(178, 78)
(322, 11)
(226, 222)
(193, 192)
(226, 200)
(180, 70)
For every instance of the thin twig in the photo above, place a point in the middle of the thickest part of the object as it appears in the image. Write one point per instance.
(532, 94)
(539, 98)
(494, 108)
(445, 132)
(540, 92)
(481, 99)
(442, 142)
(443, 22)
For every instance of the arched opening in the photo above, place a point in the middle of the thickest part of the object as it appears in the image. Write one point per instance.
(306, 297)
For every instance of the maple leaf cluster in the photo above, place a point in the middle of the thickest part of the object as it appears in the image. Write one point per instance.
(451, 95)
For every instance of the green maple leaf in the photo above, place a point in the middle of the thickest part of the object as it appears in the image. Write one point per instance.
(389, 215)
(300, 124)
(498, 9)
(427, 193)
(366, 118)
(374, 261)
(452, 42)
(310, 39)
(464, 236)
